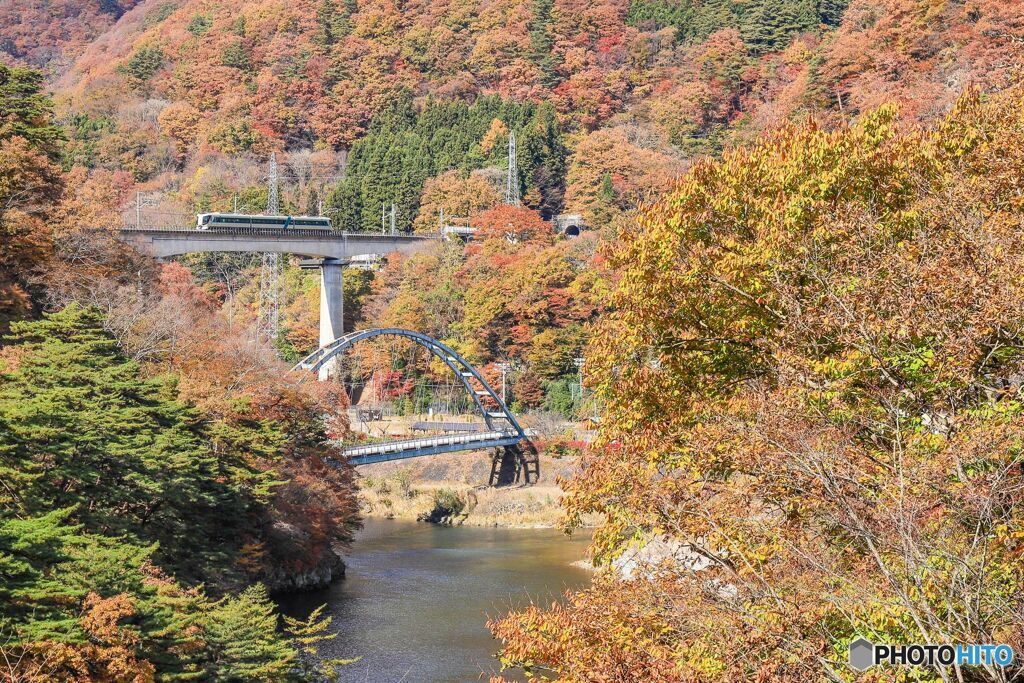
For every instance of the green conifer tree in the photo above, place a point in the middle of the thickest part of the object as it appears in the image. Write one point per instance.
(541, 43)
(830, 12)
(26, 111)
(243, 640)
(32, 598)
(80, 429)
(326, 18)
(769, 25)
(708, 17)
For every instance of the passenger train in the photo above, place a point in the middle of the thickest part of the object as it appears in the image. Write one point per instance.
(228, 221)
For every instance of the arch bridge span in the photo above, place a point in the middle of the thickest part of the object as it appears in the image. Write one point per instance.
(502, 428)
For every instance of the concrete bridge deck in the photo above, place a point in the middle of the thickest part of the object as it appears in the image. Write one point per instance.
(164, 242)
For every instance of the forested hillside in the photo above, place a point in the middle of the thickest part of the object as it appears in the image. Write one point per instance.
(794, 299)
(53, 34)
(373, 104)
(174, 92)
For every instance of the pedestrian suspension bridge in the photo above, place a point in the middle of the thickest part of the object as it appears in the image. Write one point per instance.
(515, 455)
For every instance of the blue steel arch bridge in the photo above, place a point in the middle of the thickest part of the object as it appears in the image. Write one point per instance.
(500, 429)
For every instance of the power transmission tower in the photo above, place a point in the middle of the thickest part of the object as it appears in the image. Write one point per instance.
(269, 324)
(273, 204)
(512, 182)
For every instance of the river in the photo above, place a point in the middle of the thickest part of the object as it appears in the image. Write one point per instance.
(416, 597)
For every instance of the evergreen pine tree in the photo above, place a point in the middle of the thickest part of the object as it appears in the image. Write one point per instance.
(343, 22)
(80, 429)
(659, 14)
(104, 473)
(32, 598)
(325, 24)
(243, 639)
(26, 111)
(769, 25)
(312, 203)
(830, 12)
(545, 158)
(541, 43)
(708, 17)
(333, 21)
(308, 635)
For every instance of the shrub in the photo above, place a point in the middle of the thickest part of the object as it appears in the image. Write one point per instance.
(448, 503)
(404, 480)
(199, 25)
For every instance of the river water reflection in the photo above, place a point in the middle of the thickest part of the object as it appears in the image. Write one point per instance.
(416, 597)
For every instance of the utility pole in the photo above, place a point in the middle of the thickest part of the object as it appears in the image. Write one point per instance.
(393, 216)
(141, 201)
(504, 367)
(269, 323)
(383, 218)
(578, 361)
(512, 180)
(235, 210)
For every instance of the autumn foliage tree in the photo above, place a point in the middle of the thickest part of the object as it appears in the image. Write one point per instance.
(456, 198)
(30, 184)
(811, 380)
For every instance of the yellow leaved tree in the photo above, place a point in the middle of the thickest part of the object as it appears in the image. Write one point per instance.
(811, 379)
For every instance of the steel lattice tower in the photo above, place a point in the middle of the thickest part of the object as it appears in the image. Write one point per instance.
(512, 182)
(269, 323)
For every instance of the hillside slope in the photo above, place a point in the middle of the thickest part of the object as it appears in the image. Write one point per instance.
(53, 33)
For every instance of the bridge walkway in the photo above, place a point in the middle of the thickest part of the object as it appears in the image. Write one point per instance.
(431, 445)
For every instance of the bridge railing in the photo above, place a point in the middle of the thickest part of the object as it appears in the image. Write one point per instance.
(428, 442)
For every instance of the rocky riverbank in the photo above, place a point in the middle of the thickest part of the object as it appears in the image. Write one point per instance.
(453, 489)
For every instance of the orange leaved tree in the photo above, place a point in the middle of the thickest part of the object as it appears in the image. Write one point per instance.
(811, 382)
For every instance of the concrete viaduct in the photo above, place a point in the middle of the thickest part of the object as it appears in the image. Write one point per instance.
(332, 251)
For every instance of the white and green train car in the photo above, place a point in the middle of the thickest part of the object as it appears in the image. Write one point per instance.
(230, 221)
